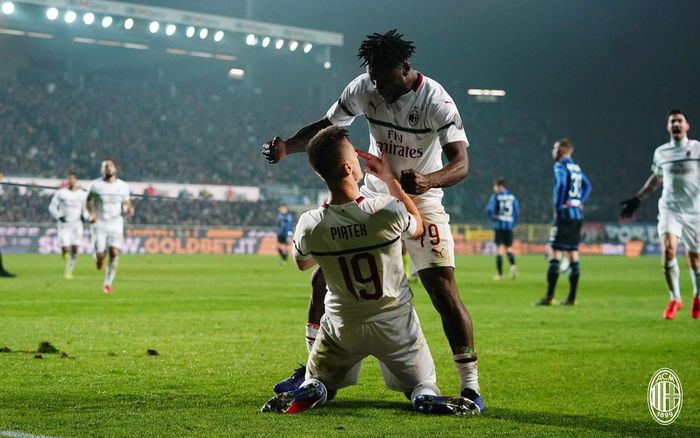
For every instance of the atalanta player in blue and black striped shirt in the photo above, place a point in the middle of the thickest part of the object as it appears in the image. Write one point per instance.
(571, 190)
(285, 223)
(504, 210)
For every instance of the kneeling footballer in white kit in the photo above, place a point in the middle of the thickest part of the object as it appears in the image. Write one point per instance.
(369, 310)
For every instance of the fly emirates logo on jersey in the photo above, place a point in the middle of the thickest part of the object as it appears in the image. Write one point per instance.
(394, 146)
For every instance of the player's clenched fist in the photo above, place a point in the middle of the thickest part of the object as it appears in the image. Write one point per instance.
(274, 150)
(414, 183)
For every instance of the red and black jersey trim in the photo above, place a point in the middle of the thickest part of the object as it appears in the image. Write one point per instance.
(344, 108)
(360, 199)
(398, 128)
(354, 250)
(418, 83)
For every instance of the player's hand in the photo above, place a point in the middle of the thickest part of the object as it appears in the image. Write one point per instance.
(414, 183)
(274, 150)
(377, 166)
(629, 206)
(130, 210)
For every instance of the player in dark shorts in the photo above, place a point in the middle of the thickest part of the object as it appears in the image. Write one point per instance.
(504, 210)
(285, 223)
(571, 190)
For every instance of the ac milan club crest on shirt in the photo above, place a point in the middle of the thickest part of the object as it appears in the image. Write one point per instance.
(413, 117)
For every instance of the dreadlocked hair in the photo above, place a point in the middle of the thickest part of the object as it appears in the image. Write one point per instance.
(386, 50)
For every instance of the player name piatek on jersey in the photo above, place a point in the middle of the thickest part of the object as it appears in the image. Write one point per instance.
(348, 231)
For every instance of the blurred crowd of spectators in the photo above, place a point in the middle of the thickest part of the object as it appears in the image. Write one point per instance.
(156, 132)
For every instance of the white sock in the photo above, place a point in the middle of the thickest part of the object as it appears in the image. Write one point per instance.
(468, 371)
(424, 388)
(70, 264)
(695, 280)
(111, 271)
(673, 279)
(311, 334)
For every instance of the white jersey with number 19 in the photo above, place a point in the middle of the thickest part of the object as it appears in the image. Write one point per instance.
(411, 131)
(358, 246)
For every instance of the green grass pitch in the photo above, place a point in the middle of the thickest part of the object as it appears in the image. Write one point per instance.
(228, 327)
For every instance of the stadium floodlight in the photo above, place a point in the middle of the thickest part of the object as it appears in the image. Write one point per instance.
(170, 29)
(70, 17)
(189, 33)
(88, 18)
(219, 35)
(266, 41)
(8, 8)
(107, 21)
(236, 73)
(485, 92)
(308, 47)
(203, 32)
(327, 65)
(293, 45)
(153, 27)
(52, 13)
(279, 43)
(251, 39)
(128, 23)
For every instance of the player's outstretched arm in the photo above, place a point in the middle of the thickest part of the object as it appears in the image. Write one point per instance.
(457, 167)
(629, 206)
(379, 167)
(276, 149)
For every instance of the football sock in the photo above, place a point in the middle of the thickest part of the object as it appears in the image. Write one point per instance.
(424, 388)
(552, 276)
(573, 280)
(285, 254)
(499, 264)
(2, 268)
(672, 274)
(695, 279)
(70, 264)
(111, 271)
(311, 333)
(511, 258)
(467, 370)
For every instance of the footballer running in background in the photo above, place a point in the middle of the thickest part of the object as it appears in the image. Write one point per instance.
(503, 209)
(285, 223)
(413, 121)
(676, 167)
(571, 191)
(108, 198)
(68, 208)
(369, 309)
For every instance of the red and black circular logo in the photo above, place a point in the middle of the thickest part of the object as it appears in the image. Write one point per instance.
(413, 117)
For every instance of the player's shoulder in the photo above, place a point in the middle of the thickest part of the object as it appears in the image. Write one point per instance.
(362, 83)
(378, 203)
(309, 219)
(664, 148)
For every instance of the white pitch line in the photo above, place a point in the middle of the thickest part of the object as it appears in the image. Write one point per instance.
(15, 434)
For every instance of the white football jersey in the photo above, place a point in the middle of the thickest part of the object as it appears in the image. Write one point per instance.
(679, 165)
(110, 197)
(411, 130)
(68, 204)
(358, 246)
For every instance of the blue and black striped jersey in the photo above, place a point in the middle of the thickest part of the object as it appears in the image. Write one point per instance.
(571, 189)
(504, 210)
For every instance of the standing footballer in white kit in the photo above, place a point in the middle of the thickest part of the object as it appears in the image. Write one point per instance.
(676, 166)
(413, 120)
(108, 198)
(369, 309)
(68, 209)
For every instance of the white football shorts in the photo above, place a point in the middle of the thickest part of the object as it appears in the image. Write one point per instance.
(108, 235)
(398, 343)
(685, 226)
(70, 234)
(436, 248)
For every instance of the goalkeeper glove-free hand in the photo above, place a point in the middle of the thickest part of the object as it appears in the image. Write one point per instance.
(629, 206)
